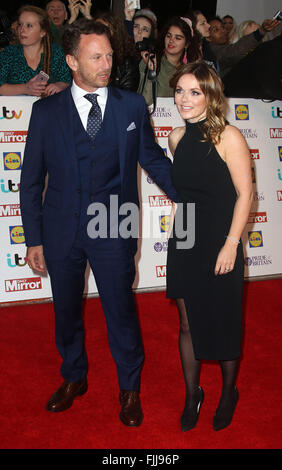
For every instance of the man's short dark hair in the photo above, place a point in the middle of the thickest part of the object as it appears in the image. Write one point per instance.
(73, 31)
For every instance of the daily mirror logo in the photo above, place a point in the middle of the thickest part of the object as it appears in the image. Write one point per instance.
(275, 132)
(13, 137)
(10, 210)
(18, 285)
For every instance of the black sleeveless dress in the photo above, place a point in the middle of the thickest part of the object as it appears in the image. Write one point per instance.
(213, 303)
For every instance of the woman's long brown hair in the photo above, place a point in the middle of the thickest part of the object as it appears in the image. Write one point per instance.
(211, 86)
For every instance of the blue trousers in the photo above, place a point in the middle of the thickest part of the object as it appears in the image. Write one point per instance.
(114, 271)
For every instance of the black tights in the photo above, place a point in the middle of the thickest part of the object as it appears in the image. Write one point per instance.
(191, 366)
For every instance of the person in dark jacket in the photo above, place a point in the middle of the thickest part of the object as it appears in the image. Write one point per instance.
(228, 55)
(244, 81)
(125, 71)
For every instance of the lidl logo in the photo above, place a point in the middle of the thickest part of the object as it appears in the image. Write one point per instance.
(12, 160)
(16, 234)
(164, 223)
(255, 239)
(280, 153)
(241, 112)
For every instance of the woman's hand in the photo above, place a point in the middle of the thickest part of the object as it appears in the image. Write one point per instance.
(74, 10)
(35, 87)
(226, 258)
(85, 7)
(149, 59)
(171, 219)
(128, 11)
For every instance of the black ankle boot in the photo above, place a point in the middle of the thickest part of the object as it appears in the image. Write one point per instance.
(224, 413)
(191, 411)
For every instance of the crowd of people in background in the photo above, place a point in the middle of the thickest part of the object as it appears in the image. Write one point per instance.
(145, 56)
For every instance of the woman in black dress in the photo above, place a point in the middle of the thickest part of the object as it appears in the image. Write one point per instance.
(205, 272)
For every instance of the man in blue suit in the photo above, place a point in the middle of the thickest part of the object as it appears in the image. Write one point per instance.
(89, 147)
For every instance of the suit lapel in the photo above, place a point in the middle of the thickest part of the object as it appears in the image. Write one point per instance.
(119, 124)
(65, 118)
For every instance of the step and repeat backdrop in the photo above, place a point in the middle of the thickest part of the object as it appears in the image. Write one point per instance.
(261, 125)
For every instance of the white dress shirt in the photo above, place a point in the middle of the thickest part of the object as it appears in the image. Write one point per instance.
(83, 106)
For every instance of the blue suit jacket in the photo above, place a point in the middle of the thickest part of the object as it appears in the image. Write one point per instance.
(50, 149)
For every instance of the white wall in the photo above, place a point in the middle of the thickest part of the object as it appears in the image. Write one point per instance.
(259, 122)
(242, 10)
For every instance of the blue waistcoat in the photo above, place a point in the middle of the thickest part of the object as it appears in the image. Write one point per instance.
(98, 161)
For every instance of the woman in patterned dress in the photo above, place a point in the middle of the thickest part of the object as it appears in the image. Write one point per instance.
(21, 63)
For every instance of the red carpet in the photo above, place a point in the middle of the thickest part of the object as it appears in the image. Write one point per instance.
(30, 374)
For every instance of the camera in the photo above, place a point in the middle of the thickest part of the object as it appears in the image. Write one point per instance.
(146, 45)
(278, 16)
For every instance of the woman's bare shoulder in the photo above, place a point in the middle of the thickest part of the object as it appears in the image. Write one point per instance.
(231, 132)
(174, 137)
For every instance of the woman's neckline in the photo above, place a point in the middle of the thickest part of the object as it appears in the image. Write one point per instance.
(188, 123)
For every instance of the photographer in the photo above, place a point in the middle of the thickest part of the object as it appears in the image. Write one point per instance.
(176, 45)
(140, 23)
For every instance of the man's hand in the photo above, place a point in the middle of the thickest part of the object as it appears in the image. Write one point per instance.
(35, 258)
(54, 88)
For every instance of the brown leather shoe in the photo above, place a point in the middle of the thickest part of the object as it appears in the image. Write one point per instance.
(63, 398)
(131, 412)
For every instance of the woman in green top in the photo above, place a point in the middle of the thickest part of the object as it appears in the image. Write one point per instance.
(176, 44)
(20, 64)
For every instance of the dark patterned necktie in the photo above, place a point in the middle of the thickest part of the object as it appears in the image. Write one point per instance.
(94, 120)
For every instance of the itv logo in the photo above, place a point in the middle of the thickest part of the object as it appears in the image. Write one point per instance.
(276, 113)
(7, 114)
(16, 260)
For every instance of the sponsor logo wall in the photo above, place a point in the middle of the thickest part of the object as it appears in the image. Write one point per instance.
(261, 125)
